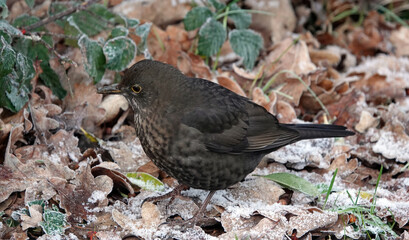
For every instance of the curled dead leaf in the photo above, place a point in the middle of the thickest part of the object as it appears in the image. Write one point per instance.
(285, 112)
(366, 121)
(231, 85)
(150, 214)
(259, 97)
(112, 104)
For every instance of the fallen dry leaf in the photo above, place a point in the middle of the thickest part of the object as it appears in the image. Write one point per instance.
(231, 85)
(112, 104)
(32, 220)
(400, 40)
(366, 121)
(81, 109)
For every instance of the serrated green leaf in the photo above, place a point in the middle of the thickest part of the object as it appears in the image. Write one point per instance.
(54, 222)
(95, 58)
(294, 182)
(7, 57)
(40, 202)
(30, 3)
(5, 85)
(132, 22)
(26, 20)
(101, 11)
(6, 36)
(145, 181)
(211, 37)
(4, 9)
(93, 23)
(87, 23)
(241, 19)
(51, 80)
(118, 32)
(69, 30)
(143, 32)
(25, 69)
(5, 26)
(247, 44)
(217, 5)
(57, 7)
(31, 49)
(196, 17)
(119, 52)
(15, 87)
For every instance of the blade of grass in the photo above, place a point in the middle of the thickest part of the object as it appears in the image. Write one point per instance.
(218, 53)
(243, 10)
(345, 14)
(376, 189)
(161, 45)
(392, 15)
(330, 187)
(283, 94)
(256, 78)
(357, 196)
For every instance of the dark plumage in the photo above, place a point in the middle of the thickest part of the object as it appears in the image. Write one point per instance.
(201, 133)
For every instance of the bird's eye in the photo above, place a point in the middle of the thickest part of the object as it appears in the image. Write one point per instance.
(136, 88)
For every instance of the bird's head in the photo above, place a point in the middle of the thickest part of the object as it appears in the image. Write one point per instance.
(144, 83)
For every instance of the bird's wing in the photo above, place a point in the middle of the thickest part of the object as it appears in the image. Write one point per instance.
(264, 132)
(223, 130)
(237, 126)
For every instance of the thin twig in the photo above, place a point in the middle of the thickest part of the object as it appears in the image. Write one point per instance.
(58, 35)
(38, 39)
(60, 15)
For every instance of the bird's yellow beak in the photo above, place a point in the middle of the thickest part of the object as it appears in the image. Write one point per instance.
(111, 89)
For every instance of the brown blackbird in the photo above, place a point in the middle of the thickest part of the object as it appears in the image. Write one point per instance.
(201, 133)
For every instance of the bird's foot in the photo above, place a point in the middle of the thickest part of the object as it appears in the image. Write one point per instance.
(175, 193)
(183, 225)
(197, 219)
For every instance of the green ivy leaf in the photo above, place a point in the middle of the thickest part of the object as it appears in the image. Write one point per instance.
(51, 80)
(30, 3)
(119, 52)
(241, 19)
(118, 31)
(145, 181)
(54, 222)
(143, 32)
(196, 17)
(5, 10)
(211, 37)
(294, 182)
(217, 5)
(95, 58)
(247, 44)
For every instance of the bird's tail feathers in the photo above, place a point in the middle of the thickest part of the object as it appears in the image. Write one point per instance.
(310, 131)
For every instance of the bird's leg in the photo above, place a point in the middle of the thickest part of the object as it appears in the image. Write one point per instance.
(200, 213)
(197, 217)
(176, 192)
